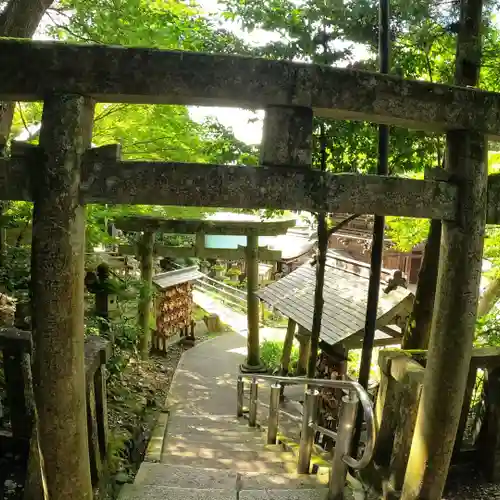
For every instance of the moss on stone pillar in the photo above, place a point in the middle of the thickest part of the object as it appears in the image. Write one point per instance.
(58, 295)
(453, 323)
(287, 137)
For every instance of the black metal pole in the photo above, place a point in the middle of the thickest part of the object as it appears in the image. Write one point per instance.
(378, 228)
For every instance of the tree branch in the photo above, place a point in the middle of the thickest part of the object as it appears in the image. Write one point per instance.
(341, 224)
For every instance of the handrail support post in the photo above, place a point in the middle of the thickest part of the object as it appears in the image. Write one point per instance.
(241, 391)
(347, 422)
(307, 434)
(254, 398)
(274, 409)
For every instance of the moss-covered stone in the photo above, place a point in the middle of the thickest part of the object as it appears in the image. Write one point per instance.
(29, 70)
(57, 285)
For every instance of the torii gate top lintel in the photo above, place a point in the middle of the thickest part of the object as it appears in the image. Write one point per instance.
(271, 227)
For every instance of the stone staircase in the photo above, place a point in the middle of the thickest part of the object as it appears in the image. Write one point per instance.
(220, 457)
(200, 450)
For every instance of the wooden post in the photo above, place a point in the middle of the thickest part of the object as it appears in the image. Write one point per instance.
(411, 377)
(304, 338)
(471, 382)
(14, 366)
(101, 405)
(3, 241)
(388, 401)
(35, 485)
(58, 297)
(252, 363)
(145, 300)
(287, 346)
(101, 299)
(489, 440)
(453, 323)
(93, 434)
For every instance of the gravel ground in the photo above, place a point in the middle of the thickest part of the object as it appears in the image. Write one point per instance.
(465, 483)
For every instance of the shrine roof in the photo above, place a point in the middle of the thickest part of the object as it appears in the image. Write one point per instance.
(345, 294)
(176, 277)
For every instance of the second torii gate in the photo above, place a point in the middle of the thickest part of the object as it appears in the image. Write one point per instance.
(252, 253)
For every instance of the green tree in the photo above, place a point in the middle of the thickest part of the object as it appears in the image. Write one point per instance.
(334, 33)
(147, 132)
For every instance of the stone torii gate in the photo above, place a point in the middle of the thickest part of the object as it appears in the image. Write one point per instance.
(62, 175)
(252, 253)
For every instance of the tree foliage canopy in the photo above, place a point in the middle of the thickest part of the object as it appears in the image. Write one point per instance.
(323, 31)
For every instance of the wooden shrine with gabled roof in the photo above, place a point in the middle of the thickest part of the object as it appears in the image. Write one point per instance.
(343, 320)
(344, 310)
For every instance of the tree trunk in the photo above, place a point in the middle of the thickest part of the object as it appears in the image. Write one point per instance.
(418, 326)
(19, 19)
(450, 346)
(318, 294)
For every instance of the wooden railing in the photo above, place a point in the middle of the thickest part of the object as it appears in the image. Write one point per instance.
(16, 346)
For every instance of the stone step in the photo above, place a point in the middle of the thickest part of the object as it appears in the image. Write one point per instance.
(149, 492)
(287, 481)
(141, 492)
(179, 443)
(244, 435)
(241, 461)
(305, 494)
(183, 476)
(225, 422)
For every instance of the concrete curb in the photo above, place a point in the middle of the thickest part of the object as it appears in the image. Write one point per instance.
(155, 445)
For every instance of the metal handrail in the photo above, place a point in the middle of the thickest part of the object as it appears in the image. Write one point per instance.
(347, 419)
(221, 291)
(231, 289)
(219, 285)
(364, 399)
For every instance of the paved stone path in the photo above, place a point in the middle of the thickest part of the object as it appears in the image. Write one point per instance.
(208, 453)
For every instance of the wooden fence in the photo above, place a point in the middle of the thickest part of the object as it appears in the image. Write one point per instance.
(16, 347)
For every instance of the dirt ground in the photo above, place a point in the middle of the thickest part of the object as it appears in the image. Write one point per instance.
(135, 397)
(466, 483)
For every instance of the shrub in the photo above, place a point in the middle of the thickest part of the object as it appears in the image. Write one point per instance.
(270, 354)
(233, 272)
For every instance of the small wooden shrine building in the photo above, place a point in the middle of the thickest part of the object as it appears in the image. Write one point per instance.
(345, 293)
(355, 239)
(343, 321)
(174, 306)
